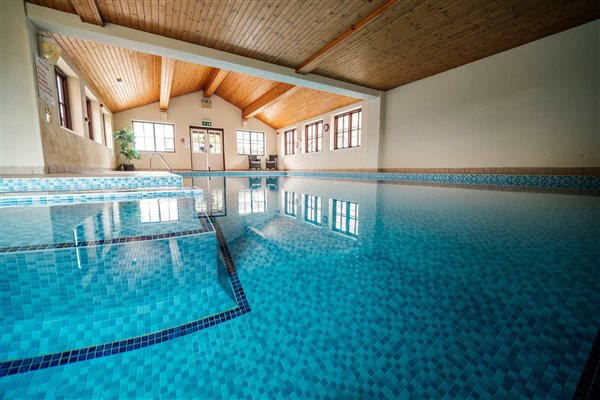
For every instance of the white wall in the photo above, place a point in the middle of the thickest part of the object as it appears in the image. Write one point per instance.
(533, 106)
(20, 142)
(185, 111)
(363, 157)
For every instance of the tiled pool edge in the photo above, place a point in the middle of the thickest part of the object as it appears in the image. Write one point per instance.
(49, 183)
(32, 199)
(581, 182)
(24, 365)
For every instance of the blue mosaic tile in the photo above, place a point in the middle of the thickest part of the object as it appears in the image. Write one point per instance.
(7, 200)
(88, 183)
(442, 293)
(16, 326)
(581, 182)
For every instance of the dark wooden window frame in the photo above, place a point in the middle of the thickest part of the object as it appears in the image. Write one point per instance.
(290, 144)
(61, 80)
(350, 114)
(318, 139)
(103, 123)
(88, 106)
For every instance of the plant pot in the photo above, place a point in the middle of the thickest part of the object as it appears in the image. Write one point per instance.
(128, 167)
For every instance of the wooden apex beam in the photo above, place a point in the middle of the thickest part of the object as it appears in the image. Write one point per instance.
(87, 11)
(214, 80)
(313, 61)
(167, 68)
(269, 99)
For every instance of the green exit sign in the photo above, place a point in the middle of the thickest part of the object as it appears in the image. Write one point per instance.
(206, 123)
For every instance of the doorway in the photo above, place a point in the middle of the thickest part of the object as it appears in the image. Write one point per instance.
(207, 149)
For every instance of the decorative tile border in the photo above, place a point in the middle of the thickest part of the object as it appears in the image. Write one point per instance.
(581, 182)
(87, 353)
(589, 383)
(7, 200)
(44, 184)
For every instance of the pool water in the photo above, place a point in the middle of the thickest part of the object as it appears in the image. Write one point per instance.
(356, 289)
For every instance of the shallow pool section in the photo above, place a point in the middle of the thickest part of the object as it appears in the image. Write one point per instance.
(98, 273)
(373, 290)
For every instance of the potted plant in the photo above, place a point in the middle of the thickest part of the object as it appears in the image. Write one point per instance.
(126, 137)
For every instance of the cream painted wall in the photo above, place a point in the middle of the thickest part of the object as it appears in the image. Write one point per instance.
(20, 142)
(187, 110)
(533, 106)
(68, 150)
(363, 157)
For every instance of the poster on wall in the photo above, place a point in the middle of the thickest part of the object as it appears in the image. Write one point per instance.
(45, 81)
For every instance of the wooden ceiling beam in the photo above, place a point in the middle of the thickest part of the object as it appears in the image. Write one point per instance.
(87, 11)
(214, 80)
(313, 61)
(167, 68)
(279, 93)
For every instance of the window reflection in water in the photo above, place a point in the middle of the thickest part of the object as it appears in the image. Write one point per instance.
(312, 209)
(217, 203)
(290, 204)
(345, 217)
(251, 201)
(158, 210)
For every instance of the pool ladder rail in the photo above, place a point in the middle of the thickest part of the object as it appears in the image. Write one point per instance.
(162, 158)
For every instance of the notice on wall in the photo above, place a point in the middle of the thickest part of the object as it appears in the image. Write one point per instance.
(45, 80)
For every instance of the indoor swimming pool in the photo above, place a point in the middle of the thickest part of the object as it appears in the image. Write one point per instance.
(298, 287)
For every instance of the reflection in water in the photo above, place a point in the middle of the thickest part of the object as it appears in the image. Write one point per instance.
(158, 210)
(290, 204)
(251, 201)
(345, 217)
(312, 209)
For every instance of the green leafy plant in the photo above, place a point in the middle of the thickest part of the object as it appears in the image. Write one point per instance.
(126, 137)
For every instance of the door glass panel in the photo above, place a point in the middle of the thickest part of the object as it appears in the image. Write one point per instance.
(198, 142)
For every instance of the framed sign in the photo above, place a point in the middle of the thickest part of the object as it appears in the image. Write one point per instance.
(45, 79)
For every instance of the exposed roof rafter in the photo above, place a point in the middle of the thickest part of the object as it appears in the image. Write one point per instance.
(313, 61)
(214, 80)
(87, 11)
(269, 99)
(167, 68)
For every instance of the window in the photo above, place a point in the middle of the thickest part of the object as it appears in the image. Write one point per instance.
(312, 209)
(88, 105)
(314, 137)
(214, 142)
(289, 138)
(345, 217)
(62, 90)
(348, 129)
(154, 136)
(158, 210)
(290, 204)
(250, 142)
(251, 201)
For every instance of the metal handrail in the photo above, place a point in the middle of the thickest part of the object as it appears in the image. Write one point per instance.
(163, 160)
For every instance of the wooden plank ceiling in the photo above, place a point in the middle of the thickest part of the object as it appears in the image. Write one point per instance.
(410, 40)
(126, 79)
